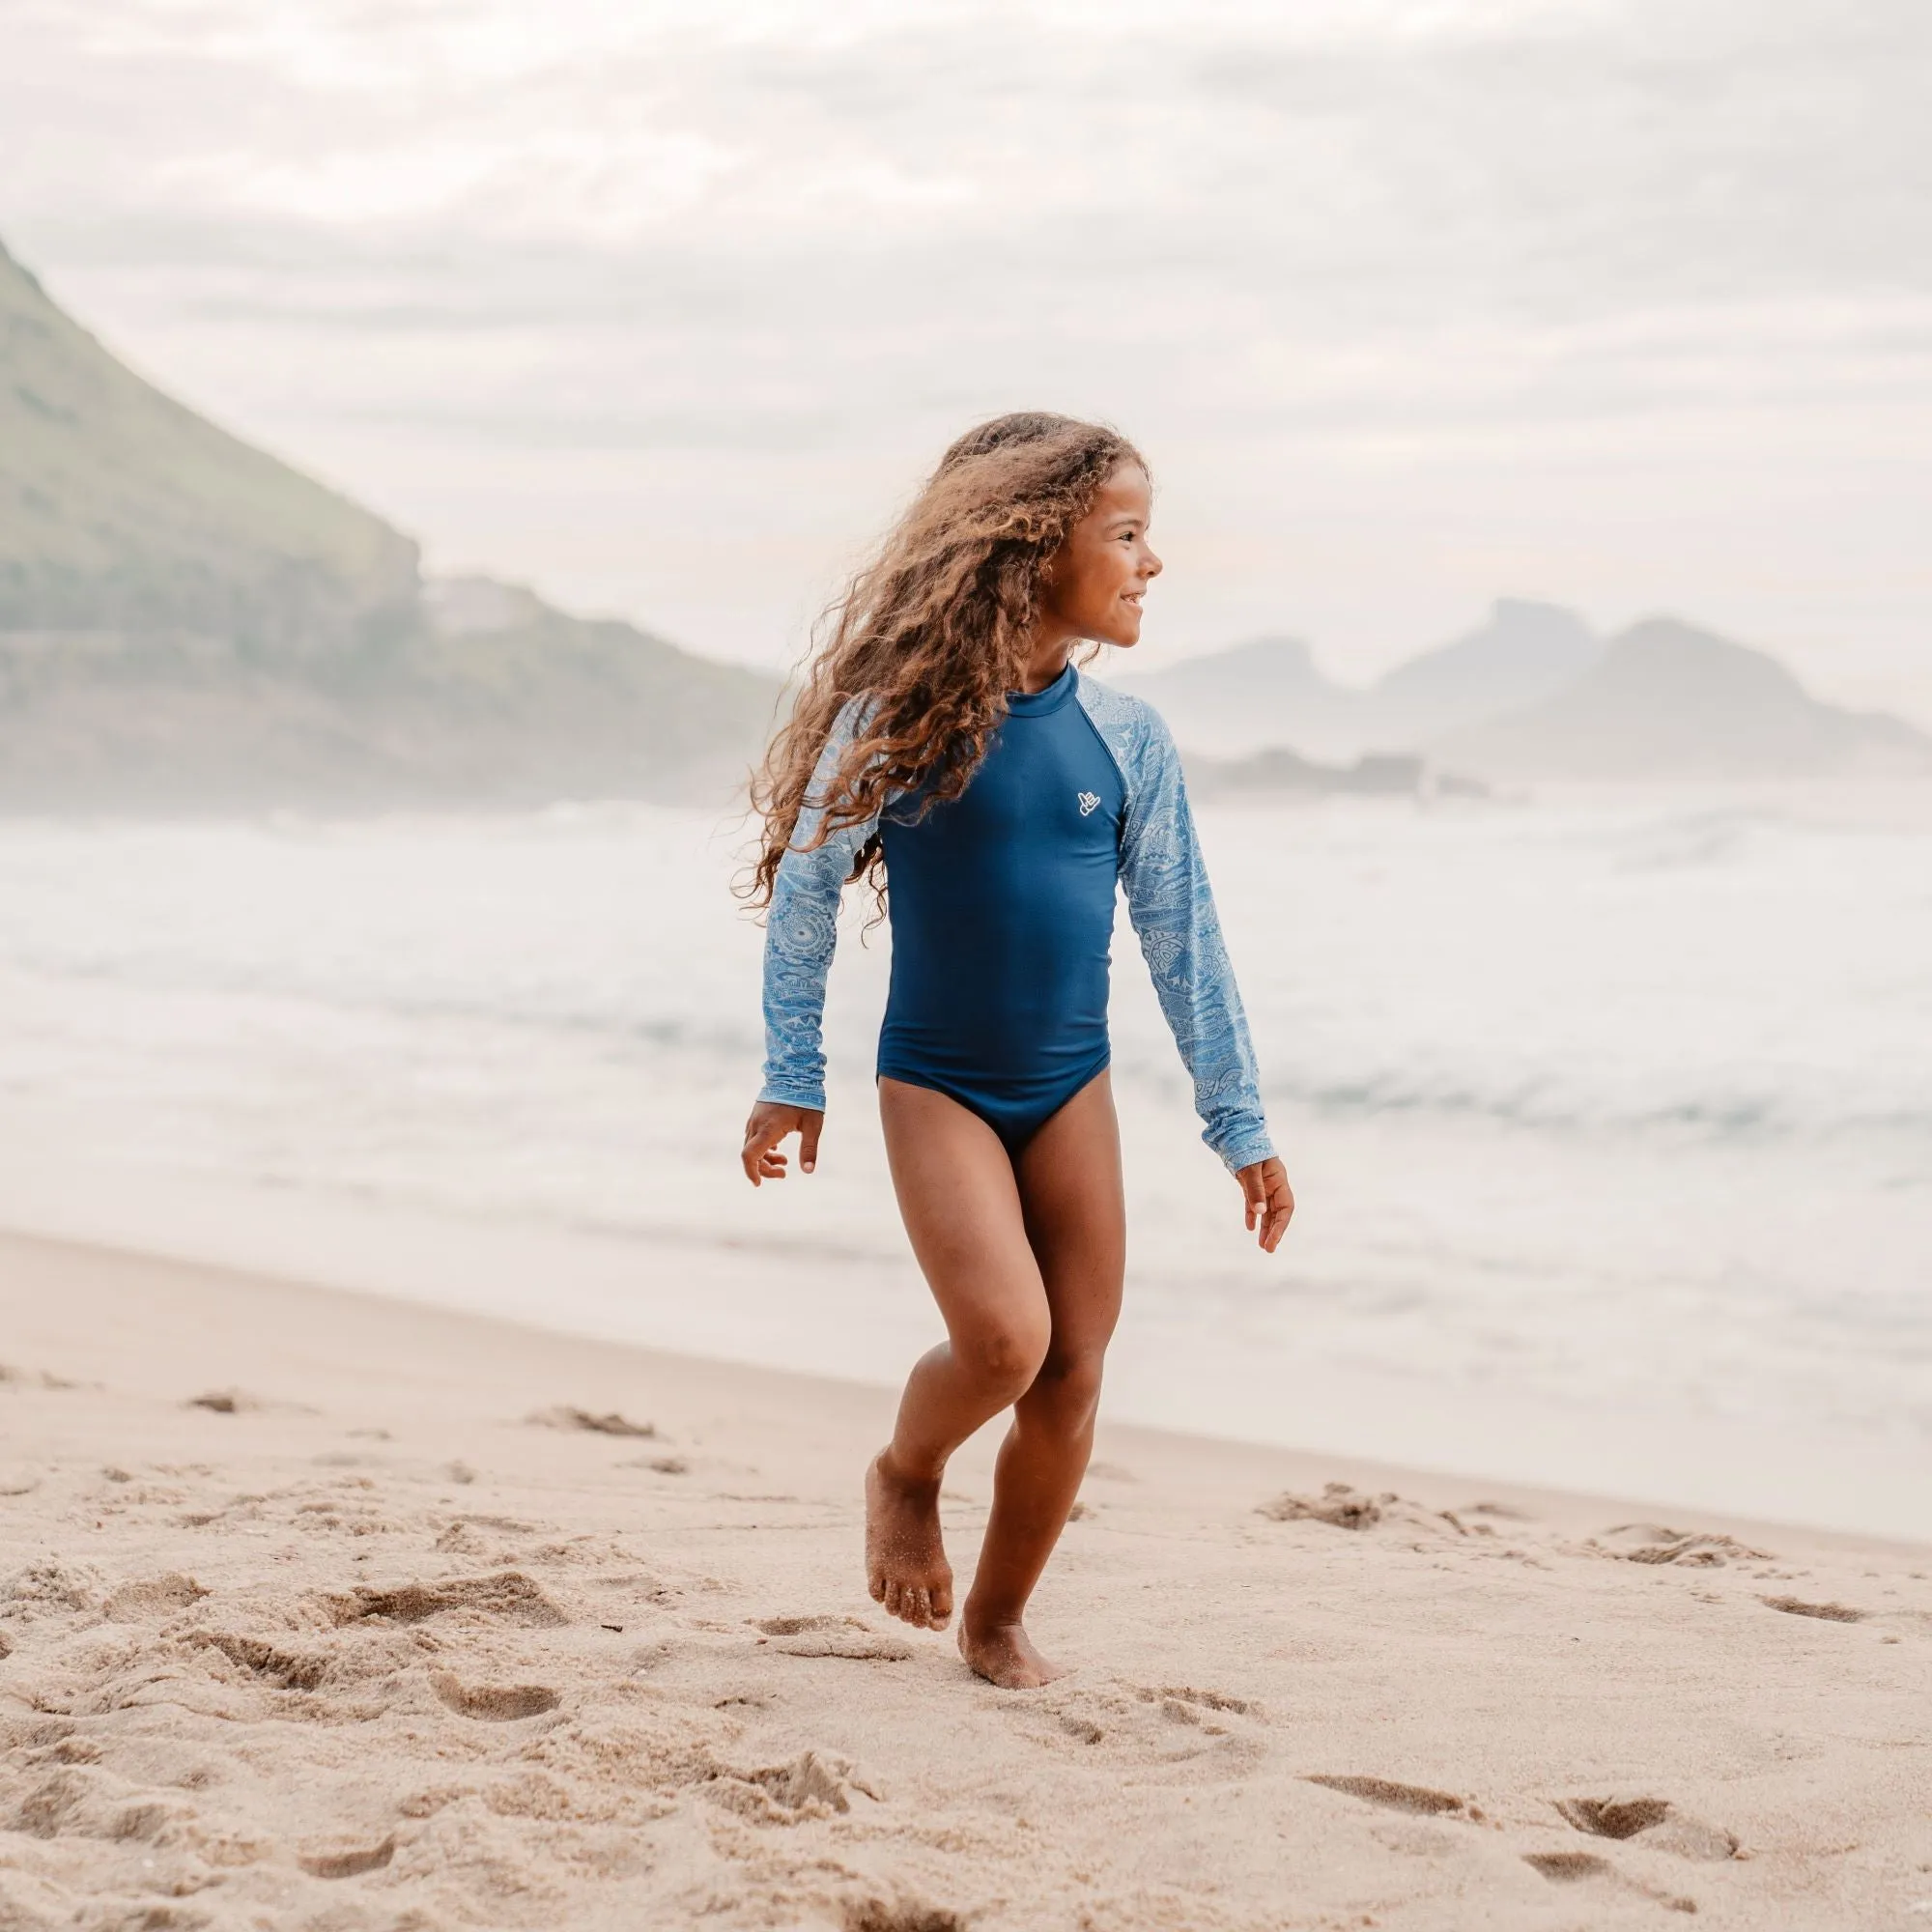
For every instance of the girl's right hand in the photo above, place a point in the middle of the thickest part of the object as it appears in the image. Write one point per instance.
(770, 1123)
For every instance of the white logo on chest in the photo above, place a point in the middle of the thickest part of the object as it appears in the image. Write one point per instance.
(1088, 801)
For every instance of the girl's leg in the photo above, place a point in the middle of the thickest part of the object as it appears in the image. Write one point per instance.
(1074, 1209)
(961, 1206)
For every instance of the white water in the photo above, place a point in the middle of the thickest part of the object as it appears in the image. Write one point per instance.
(1614, 1115)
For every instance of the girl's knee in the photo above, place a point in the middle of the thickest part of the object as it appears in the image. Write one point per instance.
(1004, 1355)
(1066, 1390)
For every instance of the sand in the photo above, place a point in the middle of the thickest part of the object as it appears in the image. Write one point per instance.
(320, 1610)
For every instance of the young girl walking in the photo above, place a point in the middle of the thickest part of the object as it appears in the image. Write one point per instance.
(945, 747)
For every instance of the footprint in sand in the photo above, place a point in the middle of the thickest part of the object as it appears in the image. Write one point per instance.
(1342, 1506)
(1831, 1613)
(565, 1416)
(1420, 1801)
(223, 1402)
(1178, 1724)
(509, 1596)
(1339, 1505)
(1654, 1823)
(872, 1914)
(151, 1596)
(348, 1860)
(1572, 1867)
(1567, 1867)
(1687, 1550)
(832, 1636)
(279, 1669)
(494, 1703)
(1184, 1704)
(814, 1784)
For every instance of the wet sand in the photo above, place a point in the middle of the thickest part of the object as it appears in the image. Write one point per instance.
(319, 1610)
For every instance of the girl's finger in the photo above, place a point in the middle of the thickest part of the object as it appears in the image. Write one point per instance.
(1281, 1211)
(755, 1154)
(1254, 1194)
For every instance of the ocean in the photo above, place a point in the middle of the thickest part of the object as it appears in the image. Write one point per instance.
(1609, 1119)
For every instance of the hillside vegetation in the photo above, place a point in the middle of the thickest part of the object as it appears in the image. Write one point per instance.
(186, 623)
(119, 509)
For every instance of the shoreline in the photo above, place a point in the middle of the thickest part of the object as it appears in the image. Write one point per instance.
(795, 1395)
(756, 1305)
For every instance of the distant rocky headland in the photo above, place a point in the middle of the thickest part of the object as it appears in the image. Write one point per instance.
(187, 624)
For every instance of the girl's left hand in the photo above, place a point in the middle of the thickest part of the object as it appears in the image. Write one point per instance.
(1270, 1198)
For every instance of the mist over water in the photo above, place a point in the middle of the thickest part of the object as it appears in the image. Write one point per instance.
(1624, 1106)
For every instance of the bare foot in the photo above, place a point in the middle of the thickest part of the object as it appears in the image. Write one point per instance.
(1002, 1654)
(905, 1561)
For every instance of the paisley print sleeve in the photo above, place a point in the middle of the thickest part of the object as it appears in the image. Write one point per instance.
(802, 933)
(1172, 907)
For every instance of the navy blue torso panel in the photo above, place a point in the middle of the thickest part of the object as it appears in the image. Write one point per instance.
(1002, 907)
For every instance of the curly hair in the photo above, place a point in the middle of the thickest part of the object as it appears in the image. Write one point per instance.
(933, 632)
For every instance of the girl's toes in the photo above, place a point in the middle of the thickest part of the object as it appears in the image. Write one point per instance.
(917, 1609)
(877, 1586)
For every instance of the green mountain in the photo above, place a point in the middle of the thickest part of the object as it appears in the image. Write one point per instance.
(186, 623)
(120, 509)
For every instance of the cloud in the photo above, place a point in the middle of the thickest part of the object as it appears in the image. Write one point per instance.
(1668, 268)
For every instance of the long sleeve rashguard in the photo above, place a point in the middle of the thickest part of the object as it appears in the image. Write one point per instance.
(1159, 867)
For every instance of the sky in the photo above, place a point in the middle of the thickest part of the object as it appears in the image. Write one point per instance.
(665, 308)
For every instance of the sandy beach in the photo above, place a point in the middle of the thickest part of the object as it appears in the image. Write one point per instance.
(324, 1610)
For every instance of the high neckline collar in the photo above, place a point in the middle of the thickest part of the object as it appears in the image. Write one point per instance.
(1032, 703)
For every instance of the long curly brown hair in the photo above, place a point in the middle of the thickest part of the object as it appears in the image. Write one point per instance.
(934, 631)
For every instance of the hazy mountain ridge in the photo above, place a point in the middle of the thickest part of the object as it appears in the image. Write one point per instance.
(1668, 699)
(1533, 694)
(1525, 652)
(1270, 692)
(188, 623)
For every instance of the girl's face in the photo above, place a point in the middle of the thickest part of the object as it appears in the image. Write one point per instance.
(1093, 585)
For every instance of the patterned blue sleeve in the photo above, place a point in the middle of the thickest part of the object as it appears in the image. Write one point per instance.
(1172, 911)
(802, 933)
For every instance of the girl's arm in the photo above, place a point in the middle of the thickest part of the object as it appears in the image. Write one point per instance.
(1173, 911)
(802, 933)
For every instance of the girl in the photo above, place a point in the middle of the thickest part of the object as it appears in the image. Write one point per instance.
(944, 743)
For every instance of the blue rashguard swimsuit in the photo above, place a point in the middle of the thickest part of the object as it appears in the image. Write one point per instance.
(1001, 910)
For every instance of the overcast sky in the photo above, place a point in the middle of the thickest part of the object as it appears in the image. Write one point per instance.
(1626, 303)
